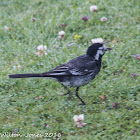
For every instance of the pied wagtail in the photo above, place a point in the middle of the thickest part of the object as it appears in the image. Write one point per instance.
(77, 72)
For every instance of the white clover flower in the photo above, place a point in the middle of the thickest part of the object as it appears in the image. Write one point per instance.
(78, 118)
(41, 47)
(41, 53)
(97, 40)
(80, 124)
(103, 19)
(60, 37)
(45, 47)
(61, 33)
(41, 50)
(93, 8)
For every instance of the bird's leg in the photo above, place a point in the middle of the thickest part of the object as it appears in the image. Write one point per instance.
(76, 91)
(68, 91)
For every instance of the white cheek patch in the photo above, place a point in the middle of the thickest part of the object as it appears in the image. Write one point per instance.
(101, 48)
(99, 52)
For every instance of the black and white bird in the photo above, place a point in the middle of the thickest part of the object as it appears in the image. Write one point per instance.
(77, 72)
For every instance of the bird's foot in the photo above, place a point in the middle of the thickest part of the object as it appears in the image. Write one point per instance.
(69, 95)
(66, 94)
(83, 103)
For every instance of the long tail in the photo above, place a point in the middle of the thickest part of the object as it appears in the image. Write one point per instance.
(30, 75)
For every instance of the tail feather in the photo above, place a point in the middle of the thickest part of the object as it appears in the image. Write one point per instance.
(26, 75)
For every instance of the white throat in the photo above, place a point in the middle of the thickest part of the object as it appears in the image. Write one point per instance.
(98, 54)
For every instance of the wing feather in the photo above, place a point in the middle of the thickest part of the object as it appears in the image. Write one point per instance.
(59, 71)
(74, 67)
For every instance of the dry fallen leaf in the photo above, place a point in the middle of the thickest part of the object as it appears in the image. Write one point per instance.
(38, 97)
(103, 97)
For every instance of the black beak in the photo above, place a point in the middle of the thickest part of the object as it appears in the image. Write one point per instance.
(108, 49)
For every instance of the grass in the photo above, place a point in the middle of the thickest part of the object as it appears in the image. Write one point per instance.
(30, 105)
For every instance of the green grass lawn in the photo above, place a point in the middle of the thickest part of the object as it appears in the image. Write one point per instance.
(36, 106)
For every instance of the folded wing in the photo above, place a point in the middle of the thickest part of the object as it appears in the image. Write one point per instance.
(74, 67)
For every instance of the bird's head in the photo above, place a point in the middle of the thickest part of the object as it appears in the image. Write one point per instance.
(97, 50)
